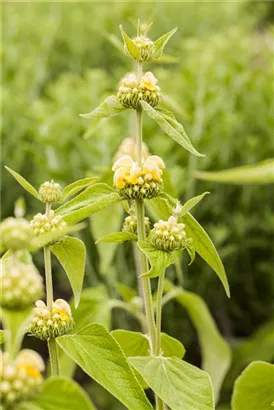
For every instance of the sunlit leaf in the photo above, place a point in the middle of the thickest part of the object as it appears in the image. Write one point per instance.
(191, 203)
(161, 42)
(24, 183)
(108, 108)
(118, 237)
(130, 46)
(159, 260)
(75, 187)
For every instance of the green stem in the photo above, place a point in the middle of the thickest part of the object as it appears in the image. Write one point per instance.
(160, 291)
(53, 356)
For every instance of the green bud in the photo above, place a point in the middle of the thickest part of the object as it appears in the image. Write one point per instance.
(169, 235)
(50, 192)
(15, 233)
(145, 46)
(130, 224)
(147, 190)
(42, 224)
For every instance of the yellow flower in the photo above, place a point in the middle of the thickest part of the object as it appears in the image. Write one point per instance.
(31, 362)
(149, 81)
(61, 307)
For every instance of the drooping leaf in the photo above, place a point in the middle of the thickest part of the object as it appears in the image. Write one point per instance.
(24, 183)
(108, 108)
(99, 355)
(75, 187)
(260, 173)
(71, 253)
(161, 42)
(179, 384)
(118, 237)
(159, 260)
(167, 125)
(216, 353)
(130, 46)
(254, 388)
(192, 202)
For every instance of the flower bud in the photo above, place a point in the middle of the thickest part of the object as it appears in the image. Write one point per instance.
(145, 46)
(20, 283)
(128, 147)
(169, 235)
(48, 324)
(20, 379)
(50, 192)
(135, 182)
(15, 233)
(132, 91)
(42, 224)
(130, 224)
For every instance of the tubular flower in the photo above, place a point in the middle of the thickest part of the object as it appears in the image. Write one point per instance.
(128, 147)
(20, 283)
(47, 324)
(42, 224)
(134, 182)
(130, 224)
(22, 378)
(131, 91)
(15, 233)
(169, 235)
(50, 192)
(145, 46)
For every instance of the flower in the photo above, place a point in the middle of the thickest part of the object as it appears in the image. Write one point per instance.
(15, 233)
(137, 182)
(130, 224)
(169, 235)
(128, 147)
(148, 81)
(42, 224)
(50, 192)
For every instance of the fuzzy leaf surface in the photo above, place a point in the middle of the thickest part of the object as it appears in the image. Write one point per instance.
(108, 108)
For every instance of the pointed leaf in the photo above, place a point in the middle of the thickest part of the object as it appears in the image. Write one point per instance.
(99, 355)
(108, 108)
(159, 260)
(118, 237)
(191, 203)
(131, 48)
(190, 249)
(255, 387)
(75, 187)
(177, 135)
(71, 253)
(161, 43)
(24, 183)
(179, 384)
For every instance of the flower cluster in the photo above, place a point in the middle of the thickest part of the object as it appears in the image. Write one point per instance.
(20, 283)
(169, 235)
(130, 224)
(132, 91)
(15, 233)
(22, 378)
(50, 192)
(42, 224)
(47, 324)
(135, 182)
(128, 147)
(145, 46)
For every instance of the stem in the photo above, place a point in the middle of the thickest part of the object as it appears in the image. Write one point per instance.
(53, 356)
(159, 312)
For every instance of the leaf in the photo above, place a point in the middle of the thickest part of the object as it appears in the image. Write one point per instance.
(71, 253)
(190, 250)
(131, 48)
(161, 42)
(254, 388)
(205, 248)
(125, 291)
(159, 260)
(216, 353)
(171, 346)
(24, 183)
(177, 135)
(179, 384)
(63, 394)
(75, 187)
(260, 173)
(108, 108)
(99, 355)
(2, 336)
(191, 203)
(118, 237)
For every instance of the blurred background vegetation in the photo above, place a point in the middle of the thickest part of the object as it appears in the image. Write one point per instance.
(60, 60)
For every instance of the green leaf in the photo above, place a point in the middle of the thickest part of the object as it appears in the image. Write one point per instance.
(71, 253)
(24, 183)
(158, 259)
(177, 135)
(99, 355)
(130, 46)
(63, 394)
(260, 173)
(205, 248)
(191, 203)
(125, 291)
(179, 384)
(108, 108)
(171, 346)
(2, 336)
(161, 42)
(216, 353)
(75, 187)
(190, 250)
(254, 388)
(118, 237)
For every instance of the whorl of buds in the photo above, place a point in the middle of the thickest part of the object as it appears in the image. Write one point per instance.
(169, 235)
(50, 192)
(48, 324)
(15, 233)
(145, 46)
(42, 224)
(128, 147)
(130, 224)
(20, 284)
(20, 379)
(132, 91)
(135, 182)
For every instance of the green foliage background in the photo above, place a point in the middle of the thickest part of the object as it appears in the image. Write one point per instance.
(59, 62)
